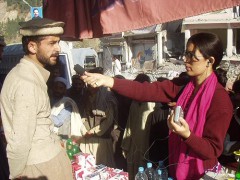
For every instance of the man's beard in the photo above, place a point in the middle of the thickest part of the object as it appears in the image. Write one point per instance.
(46, 61)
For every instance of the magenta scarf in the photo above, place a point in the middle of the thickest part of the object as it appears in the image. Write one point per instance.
(185, 164)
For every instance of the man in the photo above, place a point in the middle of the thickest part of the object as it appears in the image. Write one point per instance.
(100, 107)
(101, 111)
(65, 113)
(33, 150)
(116, 66)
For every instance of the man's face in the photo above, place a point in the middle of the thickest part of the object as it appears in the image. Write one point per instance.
(77, 84)
(59, 89)
(56, 73)
(36, 13)
(48, 50)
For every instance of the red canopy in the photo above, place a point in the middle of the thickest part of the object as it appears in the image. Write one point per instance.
(95, 18)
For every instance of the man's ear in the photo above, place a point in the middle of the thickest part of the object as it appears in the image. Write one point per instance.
(32, 47)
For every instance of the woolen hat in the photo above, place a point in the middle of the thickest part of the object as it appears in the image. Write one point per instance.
(62, 80)
(41, 26)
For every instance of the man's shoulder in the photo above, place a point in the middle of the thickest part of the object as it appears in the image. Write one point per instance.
(22, 71)
(20, 76)
(22, 67)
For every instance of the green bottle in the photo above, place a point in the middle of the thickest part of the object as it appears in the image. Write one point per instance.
(70, 154)
(237, 174)
(237, 156)
(69, 144)
(75, 149)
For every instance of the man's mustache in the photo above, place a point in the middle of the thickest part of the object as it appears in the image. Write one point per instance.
(55, 55)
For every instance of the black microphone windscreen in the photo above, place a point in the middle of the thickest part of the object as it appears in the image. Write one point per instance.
(79, 69)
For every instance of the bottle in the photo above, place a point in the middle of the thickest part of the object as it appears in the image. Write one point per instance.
(149, 171)
(70, 154)
(162, 167)
(158, 175)
(237, 174)
(69, 144)
(75, 147)
(141, 174)
(69, 148)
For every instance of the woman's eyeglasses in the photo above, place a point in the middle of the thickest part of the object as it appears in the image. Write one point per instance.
(191, 57)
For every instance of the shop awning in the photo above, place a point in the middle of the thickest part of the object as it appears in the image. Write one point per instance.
(96, 18)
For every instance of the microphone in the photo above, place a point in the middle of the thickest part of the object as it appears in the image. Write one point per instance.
(79, 69)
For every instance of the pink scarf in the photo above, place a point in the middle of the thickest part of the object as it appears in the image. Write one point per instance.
(185, 163)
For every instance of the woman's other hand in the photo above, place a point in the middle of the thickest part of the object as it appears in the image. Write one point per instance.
(180, 129)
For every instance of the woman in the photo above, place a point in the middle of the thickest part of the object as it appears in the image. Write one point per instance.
(195, 145)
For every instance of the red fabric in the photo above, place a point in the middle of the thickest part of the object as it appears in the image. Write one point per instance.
(95, 18)
(218, 117)
(189, 165)
(135, 14)
(79, 23)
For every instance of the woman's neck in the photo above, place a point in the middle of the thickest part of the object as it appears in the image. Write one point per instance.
(201, 78)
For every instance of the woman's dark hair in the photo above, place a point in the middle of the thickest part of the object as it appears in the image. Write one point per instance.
(221, 76)
(209, 45)
(27, 39)
(142, 78)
